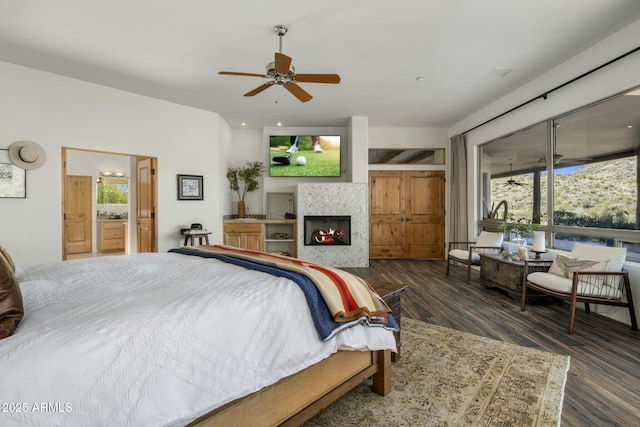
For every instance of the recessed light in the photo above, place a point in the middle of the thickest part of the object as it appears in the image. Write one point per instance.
(419, 79)
(630, 127)
(243, 124)
(279, 123)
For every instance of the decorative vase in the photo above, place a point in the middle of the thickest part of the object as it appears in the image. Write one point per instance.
(241, 212)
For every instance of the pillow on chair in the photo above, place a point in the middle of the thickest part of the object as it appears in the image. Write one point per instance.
(487, 238)
(11, 308)
(615, 256)
(565, 266)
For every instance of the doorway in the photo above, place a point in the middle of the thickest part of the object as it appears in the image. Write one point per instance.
(113, 227)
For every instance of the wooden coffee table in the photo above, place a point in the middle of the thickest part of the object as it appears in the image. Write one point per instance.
(390, 293)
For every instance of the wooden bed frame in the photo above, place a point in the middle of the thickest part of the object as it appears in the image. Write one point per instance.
(295, 399)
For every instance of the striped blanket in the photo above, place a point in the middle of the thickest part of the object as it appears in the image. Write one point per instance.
(348, 297)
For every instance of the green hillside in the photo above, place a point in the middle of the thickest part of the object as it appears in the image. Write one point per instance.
(594, 190)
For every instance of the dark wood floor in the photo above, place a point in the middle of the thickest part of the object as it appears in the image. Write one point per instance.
(603, 384)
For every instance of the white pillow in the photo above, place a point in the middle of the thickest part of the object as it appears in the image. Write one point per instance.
(615, 256)
(565, 266)
(487, 238)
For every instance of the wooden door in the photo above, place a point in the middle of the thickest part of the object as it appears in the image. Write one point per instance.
(386, 213)
(424, 214)
(406, 214)
(146, 209)
(78, 214)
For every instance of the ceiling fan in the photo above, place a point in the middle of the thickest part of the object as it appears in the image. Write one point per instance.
(281, 72)
(559, 158)
(511, 181)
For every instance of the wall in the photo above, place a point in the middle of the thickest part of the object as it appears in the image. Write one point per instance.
(615, 78)
(57, 111)
(414, 137)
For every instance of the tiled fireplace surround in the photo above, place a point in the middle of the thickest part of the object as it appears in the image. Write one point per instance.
(335, 199)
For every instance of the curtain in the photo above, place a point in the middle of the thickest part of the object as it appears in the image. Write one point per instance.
(458, 224)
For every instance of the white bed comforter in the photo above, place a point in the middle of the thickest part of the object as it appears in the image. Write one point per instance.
(154, 340)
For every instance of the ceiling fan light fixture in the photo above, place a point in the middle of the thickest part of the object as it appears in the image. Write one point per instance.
(282, 73)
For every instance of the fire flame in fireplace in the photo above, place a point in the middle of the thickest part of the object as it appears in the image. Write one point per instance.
(328, 236)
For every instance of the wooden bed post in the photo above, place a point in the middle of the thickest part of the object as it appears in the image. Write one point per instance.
(382, 378)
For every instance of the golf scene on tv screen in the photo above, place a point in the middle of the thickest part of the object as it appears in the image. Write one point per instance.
(296, 155)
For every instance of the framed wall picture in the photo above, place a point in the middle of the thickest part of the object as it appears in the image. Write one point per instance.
(190, 187)
(13, 181)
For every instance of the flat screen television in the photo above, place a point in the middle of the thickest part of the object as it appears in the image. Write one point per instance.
(304, 155)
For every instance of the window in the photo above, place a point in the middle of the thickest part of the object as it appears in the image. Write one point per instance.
(514, 173)
(583, 164)
(112, 191)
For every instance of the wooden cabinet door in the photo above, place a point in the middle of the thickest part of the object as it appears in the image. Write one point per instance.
(78, 214)
(233, 239)
(406, 214)
(253, 241)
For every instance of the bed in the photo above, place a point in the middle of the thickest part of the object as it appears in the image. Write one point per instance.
(196, 336)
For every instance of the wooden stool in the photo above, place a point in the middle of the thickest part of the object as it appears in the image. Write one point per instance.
(390, 293)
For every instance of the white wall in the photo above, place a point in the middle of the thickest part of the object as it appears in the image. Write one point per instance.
(413, 137)
(57, 111)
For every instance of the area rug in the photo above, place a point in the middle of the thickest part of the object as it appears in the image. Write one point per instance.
(451, 378)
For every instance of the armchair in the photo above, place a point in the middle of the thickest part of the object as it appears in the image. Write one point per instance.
(592, 274)
(468, 253)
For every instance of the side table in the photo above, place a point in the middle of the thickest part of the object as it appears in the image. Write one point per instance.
(190, 235)
(390, 293)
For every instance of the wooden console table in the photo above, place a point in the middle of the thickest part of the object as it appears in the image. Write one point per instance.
(390, 293)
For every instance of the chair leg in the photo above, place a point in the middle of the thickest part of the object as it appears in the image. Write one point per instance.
(469, 273)
(523, 298)
(448, 264)
(587, 308)
(632, 311)
(572, 315)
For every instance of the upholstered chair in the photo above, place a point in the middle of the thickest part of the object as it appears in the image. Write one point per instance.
(590, 274)
(468, 253)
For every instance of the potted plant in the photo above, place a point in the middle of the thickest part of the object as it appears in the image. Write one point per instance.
(518, 226)
(492, 221)
(243, 180)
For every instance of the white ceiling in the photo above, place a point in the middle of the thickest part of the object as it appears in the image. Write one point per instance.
(173, 50)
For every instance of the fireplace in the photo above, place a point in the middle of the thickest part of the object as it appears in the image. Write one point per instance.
(327, 230)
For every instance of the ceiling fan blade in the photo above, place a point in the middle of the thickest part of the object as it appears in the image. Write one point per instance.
(235, 73)
(318, 78)
(259, 89)
(298, 92)
(283, 63)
